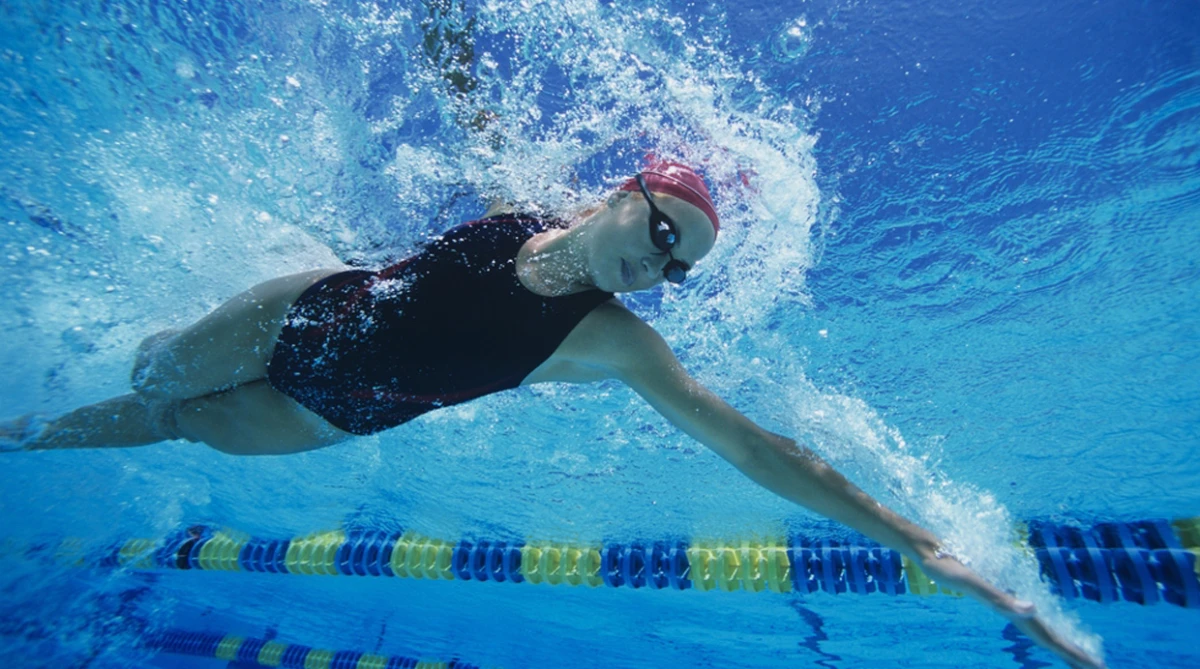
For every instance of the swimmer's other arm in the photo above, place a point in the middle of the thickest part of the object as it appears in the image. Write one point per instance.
(499, 206)
(624, 347)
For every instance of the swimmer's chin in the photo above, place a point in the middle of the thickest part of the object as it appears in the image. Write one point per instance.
(614, 284)
(617, 289)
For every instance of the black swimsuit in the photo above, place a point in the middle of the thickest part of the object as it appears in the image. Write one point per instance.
(371, 350)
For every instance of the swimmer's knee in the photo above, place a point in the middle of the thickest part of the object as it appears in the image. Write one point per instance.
(163, 416)
(155, 369)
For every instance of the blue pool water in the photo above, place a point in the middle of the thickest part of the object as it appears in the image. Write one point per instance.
(958, 258)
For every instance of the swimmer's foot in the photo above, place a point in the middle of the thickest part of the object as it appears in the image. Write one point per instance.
(19, 433)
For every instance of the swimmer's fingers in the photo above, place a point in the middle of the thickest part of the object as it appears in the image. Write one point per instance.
(948, 571)
(1036, 629)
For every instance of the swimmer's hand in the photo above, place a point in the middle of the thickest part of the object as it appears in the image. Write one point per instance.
(947, 570)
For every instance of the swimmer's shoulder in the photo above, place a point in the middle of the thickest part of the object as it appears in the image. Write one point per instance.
(606, 343)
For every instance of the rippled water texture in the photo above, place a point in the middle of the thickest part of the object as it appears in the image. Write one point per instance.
(958, 257)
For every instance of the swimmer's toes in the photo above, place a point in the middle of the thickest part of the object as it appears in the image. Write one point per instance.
(17, 433)
(8, 443)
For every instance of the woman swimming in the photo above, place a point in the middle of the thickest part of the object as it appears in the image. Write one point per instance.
(309, 360)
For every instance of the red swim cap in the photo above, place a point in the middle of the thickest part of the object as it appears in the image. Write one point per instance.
(680, 181)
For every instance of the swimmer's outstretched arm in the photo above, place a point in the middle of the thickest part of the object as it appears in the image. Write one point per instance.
(633, 352)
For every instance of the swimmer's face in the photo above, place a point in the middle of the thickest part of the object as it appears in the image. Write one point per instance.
(624, 258)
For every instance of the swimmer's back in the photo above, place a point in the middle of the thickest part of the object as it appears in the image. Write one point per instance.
(371, 350)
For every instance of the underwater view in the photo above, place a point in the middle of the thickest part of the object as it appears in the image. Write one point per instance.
(957, 257)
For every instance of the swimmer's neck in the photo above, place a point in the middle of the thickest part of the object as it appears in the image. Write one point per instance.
(554, 263)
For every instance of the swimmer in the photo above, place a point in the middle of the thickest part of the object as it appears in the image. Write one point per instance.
(310, 360)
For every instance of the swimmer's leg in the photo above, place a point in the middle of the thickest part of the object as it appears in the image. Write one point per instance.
(251, 419)
(128, 420)
(228, 347)
(254, 419)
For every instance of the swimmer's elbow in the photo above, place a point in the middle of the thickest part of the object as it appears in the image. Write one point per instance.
(779, 464)
(743, 444)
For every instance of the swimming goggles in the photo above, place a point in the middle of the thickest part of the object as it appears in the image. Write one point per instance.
(664, 235)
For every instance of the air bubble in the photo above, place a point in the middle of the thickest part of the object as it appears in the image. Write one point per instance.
(793, 41)
(184, 69)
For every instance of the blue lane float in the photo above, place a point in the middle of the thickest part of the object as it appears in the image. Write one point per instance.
(250, 652)
(1144, 562)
